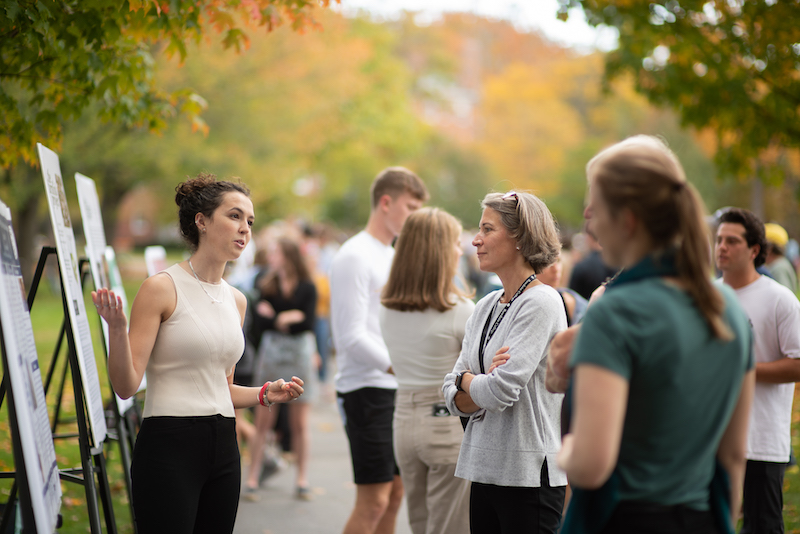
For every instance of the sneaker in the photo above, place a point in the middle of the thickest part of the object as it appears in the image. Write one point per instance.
(250, 494)
(303, 493)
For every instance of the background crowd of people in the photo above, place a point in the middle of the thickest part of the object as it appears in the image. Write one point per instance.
(477, 375)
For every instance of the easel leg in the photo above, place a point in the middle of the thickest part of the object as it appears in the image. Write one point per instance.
(105, 492)
(85, 440)
(125, 441)
(9, 512)
(57, 350)
(60, 397)
(86, 453)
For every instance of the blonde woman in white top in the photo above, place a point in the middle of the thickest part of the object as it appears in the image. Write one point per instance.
(186, 333)
(422, 319)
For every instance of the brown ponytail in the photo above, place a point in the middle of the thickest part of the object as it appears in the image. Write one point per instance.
(694, 261)
(643, 175)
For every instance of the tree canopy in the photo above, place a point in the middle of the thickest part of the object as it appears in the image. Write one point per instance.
(58, 57)
(470, 104)
(729, 65)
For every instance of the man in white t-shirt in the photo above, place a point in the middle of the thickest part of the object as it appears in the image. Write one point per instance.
(774, 313)
(365, 383)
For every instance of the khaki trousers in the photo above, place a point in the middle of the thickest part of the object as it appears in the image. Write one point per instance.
(426, 449)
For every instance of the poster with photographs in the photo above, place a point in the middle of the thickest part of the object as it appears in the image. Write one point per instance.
(98, 252)
(38, 452)
(70, 275)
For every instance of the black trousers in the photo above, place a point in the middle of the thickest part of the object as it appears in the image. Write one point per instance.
(516, 510)
(186, 475)
(643, 518)
(762, 504)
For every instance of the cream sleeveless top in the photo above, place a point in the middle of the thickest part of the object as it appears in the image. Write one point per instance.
(195, 351)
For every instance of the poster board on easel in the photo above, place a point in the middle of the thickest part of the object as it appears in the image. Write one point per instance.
(71, 279)
(38, 462)
(102, 259)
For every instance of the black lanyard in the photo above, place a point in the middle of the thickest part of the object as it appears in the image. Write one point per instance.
(486, 338)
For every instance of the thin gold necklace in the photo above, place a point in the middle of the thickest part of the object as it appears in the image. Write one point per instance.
(213, 300)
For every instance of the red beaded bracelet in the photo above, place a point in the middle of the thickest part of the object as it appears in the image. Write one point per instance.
(262, 395)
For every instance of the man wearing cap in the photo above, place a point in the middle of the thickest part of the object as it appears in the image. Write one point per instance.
(774, 314)
(778, 264)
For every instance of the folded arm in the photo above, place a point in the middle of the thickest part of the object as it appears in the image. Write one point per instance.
(527, 340)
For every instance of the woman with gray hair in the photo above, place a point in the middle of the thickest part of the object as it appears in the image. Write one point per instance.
(512, 436)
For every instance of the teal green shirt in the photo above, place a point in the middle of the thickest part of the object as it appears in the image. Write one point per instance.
(684, 384)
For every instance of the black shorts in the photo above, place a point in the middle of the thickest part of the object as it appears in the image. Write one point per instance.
(367, 414)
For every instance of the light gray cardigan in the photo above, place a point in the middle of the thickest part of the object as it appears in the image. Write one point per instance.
(518, 425)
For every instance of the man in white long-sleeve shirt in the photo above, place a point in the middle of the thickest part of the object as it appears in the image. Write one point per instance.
(365, 384)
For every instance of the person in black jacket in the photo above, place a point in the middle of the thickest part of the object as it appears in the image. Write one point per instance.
(283, 322)
(590, 272)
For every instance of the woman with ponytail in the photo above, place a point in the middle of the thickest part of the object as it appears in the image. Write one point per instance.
(662, 370)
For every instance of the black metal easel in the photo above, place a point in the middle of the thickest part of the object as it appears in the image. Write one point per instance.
(20, 491)
(125, 424)
(92, 458)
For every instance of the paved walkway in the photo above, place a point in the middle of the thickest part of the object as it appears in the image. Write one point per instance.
(331, 479)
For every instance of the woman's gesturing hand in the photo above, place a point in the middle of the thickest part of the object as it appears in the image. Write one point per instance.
(282, 391)
(109, 306)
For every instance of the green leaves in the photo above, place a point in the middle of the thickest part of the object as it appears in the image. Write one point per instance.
(57, 58)
(729, 66)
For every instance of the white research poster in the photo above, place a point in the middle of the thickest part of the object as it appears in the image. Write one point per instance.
(115, 281)
(98, 252)
(68, 263)
(38, 452)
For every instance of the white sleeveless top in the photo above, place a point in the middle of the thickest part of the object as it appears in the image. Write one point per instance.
(195, 351)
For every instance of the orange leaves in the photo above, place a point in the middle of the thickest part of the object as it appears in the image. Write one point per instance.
(529, 126)
(135, 5)
(199, 125)
(192, 105)
(116, 45)
(221, 17)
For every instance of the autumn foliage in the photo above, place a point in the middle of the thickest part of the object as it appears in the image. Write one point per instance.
(732, 67)
(59, 57)
(307, 118)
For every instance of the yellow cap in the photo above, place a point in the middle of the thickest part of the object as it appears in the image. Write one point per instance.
(776, 234)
